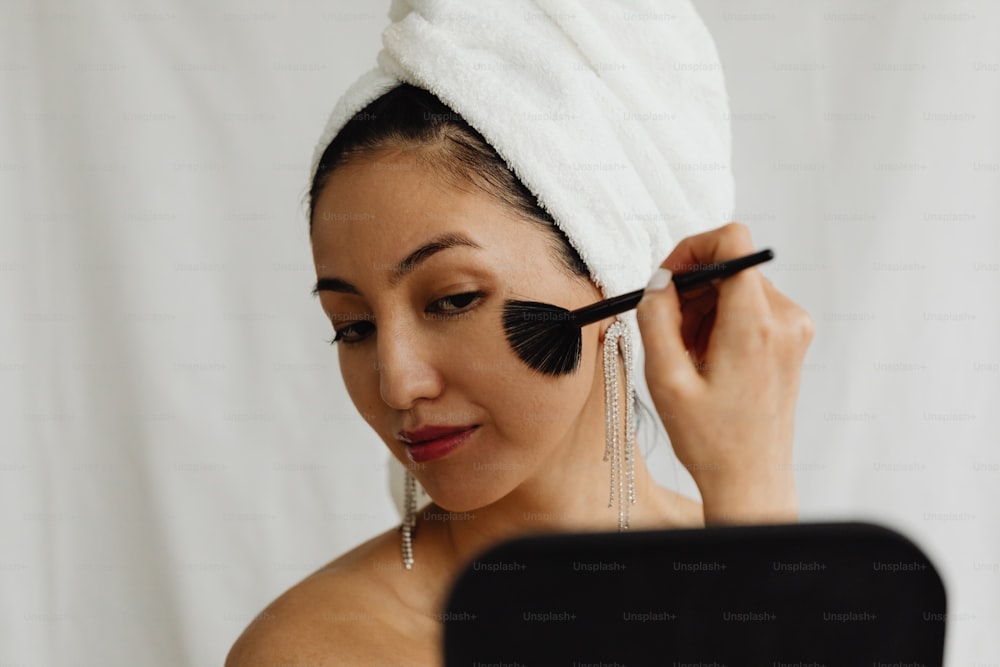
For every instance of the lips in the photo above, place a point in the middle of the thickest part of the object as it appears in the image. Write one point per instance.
(422, 447)
(427, 433)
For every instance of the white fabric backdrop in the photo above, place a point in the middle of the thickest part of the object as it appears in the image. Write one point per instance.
(177, 447)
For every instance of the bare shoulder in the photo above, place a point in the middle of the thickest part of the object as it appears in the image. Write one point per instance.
(344, 613)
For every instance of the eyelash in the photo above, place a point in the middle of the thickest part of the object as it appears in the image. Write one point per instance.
(477, 297)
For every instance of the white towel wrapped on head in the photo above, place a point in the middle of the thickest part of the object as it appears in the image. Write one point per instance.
(613, 113)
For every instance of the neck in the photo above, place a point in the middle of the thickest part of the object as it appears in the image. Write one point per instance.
(454, 539)
(578, 502)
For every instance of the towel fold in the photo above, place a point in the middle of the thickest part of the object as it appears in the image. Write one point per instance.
(614, 114)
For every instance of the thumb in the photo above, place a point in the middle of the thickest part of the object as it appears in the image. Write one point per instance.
(659, 317)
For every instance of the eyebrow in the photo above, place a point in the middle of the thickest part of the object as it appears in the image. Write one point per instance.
(409, 264)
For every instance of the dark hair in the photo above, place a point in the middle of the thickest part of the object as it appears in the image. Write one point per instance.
(412, 118)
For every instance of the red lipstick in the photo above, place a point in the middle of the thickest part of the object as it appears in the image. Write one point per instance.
(433, 442)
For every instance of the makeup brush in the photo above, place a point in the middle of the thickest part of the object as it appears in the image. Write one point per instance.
(547, 337)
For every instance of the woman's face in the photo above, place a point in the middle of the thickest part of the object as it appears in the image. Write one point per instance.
(422, 341)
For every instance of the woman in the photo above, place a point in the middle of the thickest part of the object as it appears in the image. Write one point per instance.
(420, 232)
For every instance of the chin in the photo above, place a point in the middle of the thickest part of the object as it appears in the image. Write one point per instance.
(455, 498)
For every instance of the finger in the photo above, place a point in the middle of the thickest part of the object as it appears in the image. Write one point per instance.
(795, 319)
(744, 321)
(709, 247)
(668, 366)
(778, 300)
(703, 336)
(743, 290)
(742, 298)
(695, 311)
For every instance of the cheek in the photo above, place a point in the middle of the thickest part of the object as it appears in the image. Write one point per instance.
(532, 408)
(361, 382)
(559, 403)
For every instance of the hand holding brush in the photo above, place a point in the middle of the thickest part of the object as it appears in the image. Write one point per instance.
(730, 412)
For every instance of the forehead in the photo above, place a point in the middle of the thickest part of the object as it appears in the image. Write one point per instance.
(377, 210)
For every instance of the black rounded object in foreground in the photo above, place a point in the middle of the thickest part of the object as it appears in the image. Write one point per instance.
(832, 594)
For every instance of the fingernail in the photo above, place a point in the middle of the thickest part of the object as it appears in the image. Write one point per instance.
(661, 278)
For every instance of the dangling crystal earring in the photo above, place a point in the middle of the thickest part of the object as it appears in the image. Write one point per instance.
(618, 336)
(410, 520)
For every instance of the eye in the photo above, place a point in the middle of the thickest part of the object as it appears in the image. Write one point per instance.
(347, 330)
(463, 300)
(459, 302)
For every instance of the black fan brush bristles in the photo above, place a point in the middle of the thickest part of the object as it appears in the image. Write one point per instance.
(535, 334)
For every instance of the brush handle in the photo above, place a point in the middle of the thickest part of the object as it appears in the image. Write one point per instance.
(682, 282)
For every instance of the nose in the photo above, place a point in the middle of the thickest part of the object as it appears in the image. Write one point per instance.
(406, 371)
